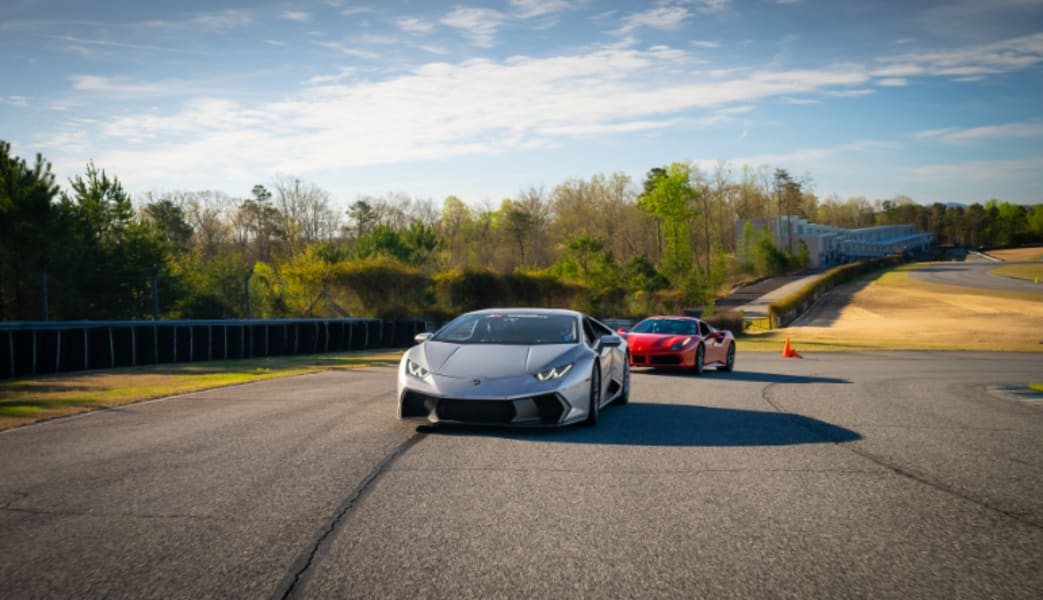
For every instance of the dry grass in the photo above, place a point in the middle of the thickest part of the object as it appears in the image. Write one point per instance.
(899, 313)
(1018, 254)
(28, 400)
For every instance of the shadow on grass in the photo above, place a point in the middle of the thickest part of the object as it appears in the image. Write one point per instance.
(647, 424)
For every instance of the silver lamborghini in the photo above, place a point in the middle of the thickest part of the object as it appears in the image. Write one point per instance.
(524, 367)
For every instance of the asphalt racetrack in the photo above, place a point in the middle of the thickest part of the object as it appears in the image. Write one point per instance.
(975, 274)
(874, 475)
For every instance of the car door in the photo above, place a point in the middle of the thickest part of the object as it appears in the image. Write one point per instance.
(713, 341)
(593, 334)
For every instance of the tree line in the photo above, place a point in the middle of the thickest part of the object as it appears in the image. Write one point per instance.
(604, 244)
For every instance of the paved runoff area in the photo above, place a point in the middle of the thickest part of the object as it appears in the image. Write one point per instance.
(882, 474)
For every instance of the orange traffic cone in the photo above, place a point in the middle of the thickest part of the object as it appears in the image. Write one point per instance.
(789, 352)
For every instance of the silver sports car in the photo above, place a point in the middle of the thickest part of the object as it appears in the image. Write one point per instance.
(531, 367)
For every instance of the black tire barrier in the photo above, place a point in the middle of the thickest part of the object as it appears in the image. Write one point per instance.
(28, 349)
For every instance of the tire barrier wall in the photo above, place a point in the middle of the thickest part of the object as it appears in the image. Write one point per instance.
(55, 347)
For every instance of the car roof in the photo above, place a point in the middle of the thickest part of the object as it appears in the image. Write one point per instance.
(528, 310)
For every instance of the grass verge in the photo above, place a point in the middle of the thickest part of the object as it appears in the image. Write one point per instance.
(1029, 272)
(29, 400)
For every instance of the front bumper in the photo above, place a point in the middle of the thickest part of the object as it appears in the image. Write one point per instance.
(536, 410)
(665, 360)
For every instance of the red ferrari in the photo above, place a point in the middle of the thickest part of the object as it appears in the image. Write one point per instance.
(680, 343)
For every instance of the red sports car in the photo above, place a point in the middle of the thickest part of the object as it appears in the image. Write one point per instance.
(680, 342)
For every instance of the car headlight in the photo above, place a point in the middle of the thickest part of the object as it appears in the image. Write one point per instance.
(416, 370)
(553, 373)
(681, 344)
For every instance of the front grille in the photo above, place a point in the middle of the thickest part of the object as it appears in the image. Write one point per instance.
(476, 411)
(639, 360)
(666, 359)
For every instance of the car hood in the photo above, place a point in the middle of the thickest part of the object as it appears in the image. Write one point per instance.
(645, 342)
(492, 361)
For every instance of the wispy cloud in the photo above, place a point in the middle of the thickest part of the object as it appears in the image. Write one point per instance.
(527, 9)
(298, 16)
(349, 50)
(977, 171)
(972, 61)
(1029, 129)
(663, 17)
(442, 110)
(414, 25)
(800, 101)
(893, 81)
(850, 93)
(113, 44)
(478, 24)
(19, 101)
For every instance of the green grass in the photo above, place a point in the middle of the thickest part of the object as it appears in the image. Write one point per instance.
(1029, 272)
(28, 400)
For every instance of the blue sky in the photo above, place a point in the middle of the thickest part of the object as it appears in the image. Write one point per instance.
(940, 101)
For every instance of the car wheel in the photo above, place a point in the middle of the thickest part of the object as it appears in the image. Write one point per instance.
(624, 394)
(595, 397)
(700, 358)
(729, 364)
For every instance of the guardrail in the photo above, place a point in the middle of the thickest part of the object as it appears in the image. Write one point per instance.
(33, 348)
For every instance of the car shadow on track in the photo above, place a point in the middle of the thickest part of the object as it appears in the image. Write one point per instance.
(649, 424)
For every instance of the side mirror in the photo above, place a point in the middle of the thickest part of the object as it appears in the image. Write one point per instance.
(621, 330)
(609, 341)
(422, 337)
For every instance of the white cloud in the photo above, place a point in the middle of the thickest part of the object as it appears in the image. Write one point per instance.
(223, 20)
(298, 16)
(477, 24)
(1027, 129)
(807, 157)
(436, 111)
(19, 101)
(705, 44)
(527, 9)
(414, 25)
(664, 17)
(893, 81)
(978, 171)
(800, 101)
(850, 93)
(972, 61)
(350, 51)
(112, 44)
(344, 73)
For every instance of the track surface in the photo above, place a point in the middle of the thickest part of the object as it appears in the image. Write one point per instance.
(842, 475)
(975, 274)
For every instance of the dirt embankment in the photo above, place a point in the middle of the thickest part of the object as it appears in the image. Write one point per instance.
(898, 312)
(1018, 254)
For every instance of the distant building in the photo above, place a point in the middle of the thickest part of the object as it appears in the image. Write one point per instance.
(835, 245)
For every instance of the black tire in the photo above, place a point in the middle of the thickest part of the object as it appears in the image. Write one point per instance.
(624, 394)
(595, 397)
(700, 359)
(729, 364)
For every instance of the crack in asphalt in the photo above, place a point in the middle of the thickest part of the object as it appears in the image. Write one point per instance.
(293, 584)
(909, 474)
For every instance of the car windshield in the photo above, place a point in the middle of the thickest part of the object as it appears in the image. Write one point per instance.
(510, 328)
(667, 326)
